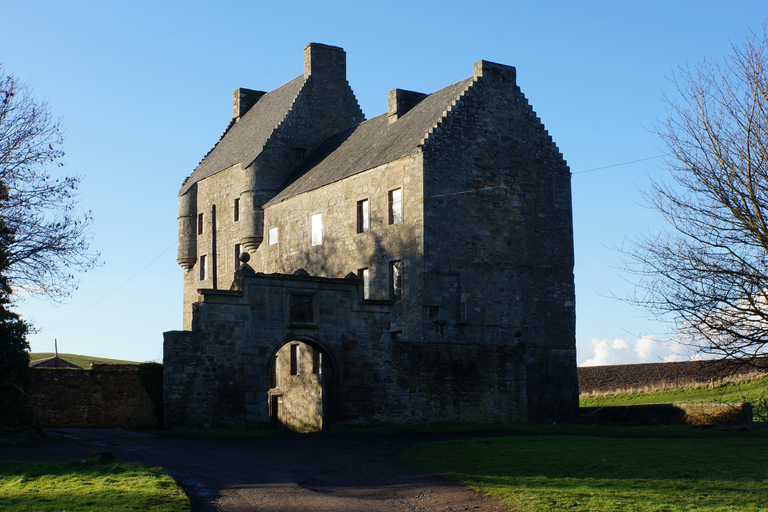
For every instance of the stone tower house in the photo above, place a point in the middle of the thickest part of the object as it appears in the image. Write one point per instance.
(414, 267)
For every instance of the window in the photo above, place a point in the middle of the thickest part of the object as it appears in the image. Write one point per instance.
(295, 353)
(396, 206)
(396, 280)
(317, 230)
(365, 276)
(317, 361)
(203, 267)
(302, 309)
(237, 256)
(199, 223)
(300, 153)
(237, 209)
(363, 217)
(274, 374)
(272, 236)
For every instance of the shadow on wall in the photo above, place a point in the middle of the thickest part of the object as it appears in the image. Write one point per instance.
(340, 257)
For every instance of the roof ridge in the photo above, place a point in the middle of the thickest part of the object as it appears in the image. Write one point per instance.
(226, 130)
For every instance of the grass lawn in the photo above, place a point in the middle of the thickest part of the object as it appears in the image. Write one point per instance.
(76, 486)
(676, 470)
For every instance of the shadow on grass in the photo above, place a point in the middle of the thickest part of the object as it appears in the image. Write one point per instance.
(78, 486)
(669, 469)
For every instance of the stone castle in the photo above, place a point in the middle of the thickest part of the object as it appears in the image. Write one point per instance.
(414, 267)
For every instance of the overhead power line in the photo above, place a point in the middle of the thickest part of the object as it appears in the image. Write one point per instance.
(617, 165)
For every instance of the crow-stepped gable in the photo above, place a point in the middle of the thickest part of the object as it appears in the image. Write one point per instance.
(414, 267)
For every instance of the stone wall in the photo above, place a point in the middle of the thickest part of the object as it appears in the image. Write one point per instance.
(498, 240)
(220, 372)
(106, 396)
(669, 414)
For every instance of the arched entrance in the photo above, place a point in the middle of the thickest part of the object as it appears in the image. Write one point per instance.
(298, 394)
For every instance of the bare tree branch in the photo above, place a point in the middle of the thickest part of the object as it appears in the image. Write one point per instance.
(51, 236)
(709, 271)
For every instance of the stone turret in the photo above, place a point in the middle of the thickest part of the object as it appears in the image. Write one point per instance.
(187, 243)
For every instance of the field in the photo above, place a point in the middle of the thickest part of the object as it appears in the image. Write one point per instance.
(673, 383)
(79, 360)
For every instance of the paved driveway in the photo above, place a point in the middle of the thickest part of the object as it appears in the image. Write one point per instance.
(307, 472)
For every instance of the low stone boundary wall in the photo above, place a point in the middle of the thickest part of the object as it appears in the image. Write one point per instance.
(106, 396)
(677, 414)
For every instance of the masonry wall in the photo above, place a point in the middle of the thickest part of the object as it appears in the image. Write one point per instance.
(219, 373)
(498, 244)
(106, 396)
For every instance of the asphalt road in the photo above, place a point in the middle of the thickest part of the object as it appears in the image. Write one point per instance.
(301, 472)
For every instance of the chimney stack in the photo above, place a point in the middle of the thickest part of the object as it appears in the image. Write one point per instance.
(324, 61)
(243, 100)
(401, 101)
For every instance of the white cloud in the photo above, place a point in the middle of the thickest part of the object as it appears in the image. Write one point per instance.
(647, 349)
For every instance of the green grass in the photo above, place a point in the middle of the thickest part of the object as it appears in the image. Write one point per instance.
(678, 469)
(79, 360)
(751, 391)
(76, 486)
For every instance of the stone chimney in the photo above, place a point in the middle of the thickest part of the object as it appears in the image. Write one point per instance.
(323, 61)
(243, 100)
(401, 101)
(495, 71)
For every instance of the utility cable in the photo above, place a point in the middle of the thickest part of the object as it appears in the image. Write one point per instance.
(116, 288)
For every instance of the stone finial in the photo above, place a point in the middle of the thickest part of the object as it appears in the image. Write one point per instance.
(325, 61)
(243, 100)
(401, 101)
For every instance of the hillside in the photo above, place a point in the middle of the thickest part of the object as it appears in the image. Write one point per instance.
(657, 376)
(79, 360)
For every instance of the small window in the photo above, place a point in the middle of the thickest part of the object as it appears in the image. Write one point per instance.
(302, 309)
(363, 216)
(274, 374)
(300, 153)
(237, 256)
(295, 354)
(317, 361)
(365, 277)
(396, 280)
(199, 223)
(203, 267)
(317, 230)
(237, 209)
(396, 206)
(272, 236)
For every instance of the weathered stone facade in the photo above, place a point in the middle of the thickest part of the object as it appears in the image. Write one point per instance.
(436, 253)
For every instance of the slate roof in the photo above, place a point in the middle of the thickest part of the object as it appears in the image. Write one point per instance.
(53, 362)
(244, 140)
(371, 143)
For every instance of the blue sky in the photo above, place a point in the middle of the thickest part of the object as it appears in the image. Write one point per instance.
(145, 90)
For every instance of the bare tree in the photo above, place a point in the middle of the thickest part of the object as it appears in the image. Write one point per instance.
(51, 235)
(709, 271)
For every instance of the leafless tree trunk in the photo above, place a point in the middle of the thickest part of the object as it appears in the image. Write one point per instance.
(51, 236)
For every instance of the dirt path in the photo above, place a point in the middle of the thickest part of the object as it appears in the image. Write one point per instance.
(311, 472)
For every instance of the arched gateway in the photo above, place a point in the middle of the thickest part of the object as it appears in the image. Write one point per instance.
(277, 350)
